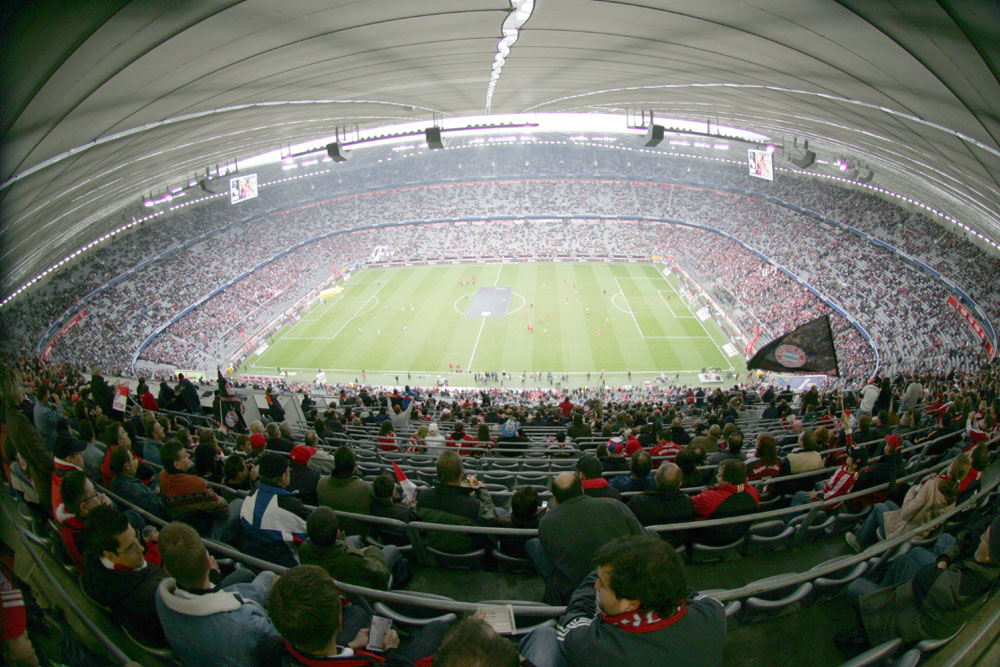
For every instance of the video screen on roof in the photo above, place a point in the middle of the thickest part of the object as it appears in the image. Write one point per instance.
(761, 164)
(242, 188)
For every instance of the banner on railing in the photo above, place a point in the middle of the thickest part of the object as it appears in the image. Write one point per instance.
(974, 324)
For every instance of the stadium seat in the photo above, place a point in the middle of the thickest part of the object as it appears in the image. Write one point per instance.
(470, 560)
(769, 536)
(833, 584)
(505, 479)
(159, 652)
(413, 616)
(774, 603)
(875, 655)
(707, 553)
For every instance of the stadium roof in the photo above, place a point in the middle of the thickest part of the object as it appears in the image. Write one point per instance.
(106, 101)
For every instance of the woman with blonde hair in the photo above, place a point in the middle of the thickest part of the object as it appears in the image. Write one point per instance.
(417, 444)
(934, 496)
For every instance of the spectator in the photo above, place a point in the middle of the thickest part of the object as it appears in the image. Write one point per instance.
(348, 559)
(277, 437)
(455, 501)
(93, 455)
(765, 466)
(303, 479)
(26, 439)
(926, 595)
(640, 477)
(48, 411)
(272, 519)
(384, 505)
(473, 642)
(665, 450)
(126, 486)
(122, 574)
(839, 484)
(666, 503)
(524, 513)
(207, 624)
(188, 497)
(643, 613)
(731, 497)
(925, 501)
(594, 484)
(611, 455)
(79, 498)
(570, 534)
(307, 610)
(343, 490)
(68, 456)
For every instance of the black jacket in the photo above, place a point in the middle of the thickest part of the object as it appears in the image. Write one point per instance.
(131, 595)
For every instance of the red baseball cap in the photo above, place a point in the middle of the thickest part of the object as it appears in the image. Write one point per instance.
(301, 454)
(257, 440)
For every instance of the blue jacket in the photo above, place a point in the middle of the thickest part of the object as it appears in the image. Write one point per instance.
(217, 629)
(273, 524)
(137, 493)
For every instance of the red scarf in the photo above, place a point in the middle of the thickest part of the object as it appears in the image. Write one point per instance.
(643, 621)
(596, 483)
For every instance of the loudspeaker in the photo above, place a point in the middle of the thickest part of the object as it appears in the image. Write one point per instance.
(215, 186)
(654, 135)
(433, 135)
(805, 161)
(333, 150)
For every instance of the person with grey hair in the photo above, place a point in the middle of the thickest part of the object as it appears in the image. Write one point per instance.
(279, 437)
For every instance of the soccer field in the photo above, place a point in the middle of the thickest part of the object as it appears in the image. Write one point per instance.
(421, 324)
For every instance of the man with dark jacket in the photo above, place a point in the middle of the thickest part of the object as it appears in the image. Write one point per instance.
(272, 519)
(302, 478)
(384, 505)
(343, 490)
(453, 502)
(348, 560)
(188, 395)
(570, 533)
(732, 496)
(926, 595)
(125, 484)
(643, 614)
(883, 470)
(666, 503)
(639, 478)
(594, 485)
(117, 575)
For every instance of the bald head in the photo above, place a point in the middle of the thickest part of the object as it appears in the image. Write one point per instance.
(565, 486)
(669, 476)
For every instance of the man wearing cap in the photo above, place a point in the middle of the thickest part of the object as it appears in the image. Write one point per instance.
(68, 453)
(610, 455)
(272, 519)
(302, 478)
(927, 594)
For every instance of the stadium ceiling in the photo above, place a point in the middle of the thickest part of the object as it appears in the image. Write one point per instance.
(104, 102)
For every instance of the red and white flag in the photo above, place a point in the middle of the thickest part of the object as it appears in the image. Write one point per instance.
(408, 487)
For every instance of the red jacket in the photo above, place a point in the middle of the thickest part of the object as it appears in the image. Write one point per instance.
(665, 452)
(706, 502)
(149, 402)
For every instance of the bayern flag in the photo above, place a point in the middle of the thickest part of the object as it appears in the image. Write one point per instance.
(408, 487)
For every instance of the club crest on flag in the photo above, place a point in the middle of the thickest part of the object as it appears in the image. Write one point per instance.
(806, 349)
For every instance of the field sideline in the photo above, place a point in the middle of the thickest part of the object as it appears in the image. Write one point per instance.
(412, 323)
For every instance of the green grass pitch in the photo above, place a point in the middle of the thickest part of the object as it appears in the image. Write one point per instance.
(410, 323)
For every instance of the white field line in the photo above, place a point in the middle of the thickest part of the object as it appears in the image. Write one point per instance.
(482, 323)
(717, 346)
(338, 330)
(638, 328)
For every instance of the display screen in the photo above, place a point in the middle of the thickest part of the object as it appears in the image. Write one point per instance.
(761, 164)
(242, 188)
